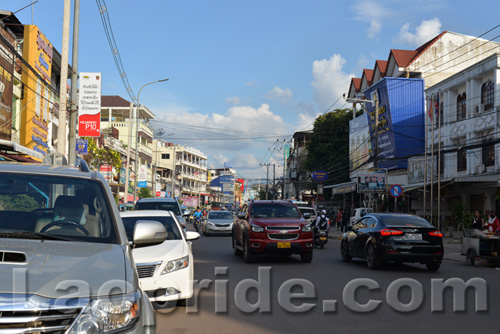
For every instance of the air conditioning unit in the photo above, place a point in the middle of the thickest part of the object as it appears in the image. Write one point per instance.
(481, 168)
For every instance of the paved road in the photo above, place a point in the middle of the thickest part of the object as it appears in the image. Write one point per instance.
(328, 277)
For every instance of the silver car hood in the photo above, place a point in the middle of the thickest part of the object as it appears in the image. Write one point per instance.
(220, 221)
(60, 268)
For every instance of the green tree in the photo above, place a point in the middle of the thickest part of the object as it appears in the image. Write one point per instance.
(98, 155)
(328, 145)
(144, 193)
(262, 194)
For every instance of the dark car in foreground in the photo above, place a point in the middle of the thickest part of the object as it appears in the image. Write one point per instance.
(399, 238)
(272, 227)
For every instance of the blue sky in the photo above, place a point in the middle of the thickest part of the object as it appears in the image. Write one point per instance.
(245, 75)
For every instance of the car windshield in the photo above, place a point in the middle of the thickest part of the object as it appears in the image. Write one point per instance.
(403, 221)
(173, 232)
(159, 205)
(220, 215)
(274, 210)
(55, 206)
(310, 211)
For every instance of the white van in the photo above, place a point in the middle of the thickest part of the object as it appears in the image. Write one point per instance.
(357, 214)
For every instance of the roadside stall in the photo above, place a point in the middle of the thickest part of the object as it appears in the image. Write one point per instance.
(480, 245)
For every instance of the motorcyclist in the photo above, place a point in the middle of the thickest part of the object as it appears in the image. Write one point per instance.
(197, 216)
(321, 223)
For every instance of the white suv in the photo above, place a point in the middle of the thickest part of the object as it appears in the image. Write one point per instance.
(66, 263)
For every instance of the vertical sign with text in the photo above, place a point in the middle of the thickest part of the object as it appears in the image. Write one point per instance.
(89, 105)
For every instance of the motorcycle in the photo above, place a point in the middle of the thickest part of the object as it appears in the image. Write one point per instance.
(320, 238)
(197, 224)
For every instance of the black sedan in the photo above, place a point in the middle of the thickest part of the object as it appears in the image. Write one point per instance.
(379, 237)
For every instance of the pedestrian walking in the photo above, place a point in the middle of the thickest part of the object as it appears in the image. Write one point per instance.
(338, 221)
(345, 219)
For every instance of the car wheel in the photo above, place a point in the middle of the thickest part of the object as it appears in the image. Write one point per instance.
(371, 258)
(248, 256)
(470, 257)
(433, 266)
(306, 257)
(344, 251)
(237, 251)
(164, 305)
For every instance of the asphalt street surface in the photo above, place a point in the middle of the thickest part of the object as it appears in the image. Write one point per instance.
(326, 302)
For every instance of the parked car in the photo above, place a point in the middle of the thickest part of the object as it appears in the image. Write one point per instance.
(400, 238)
(218, 222)
(357, 214)
(272, 227)
(166, 204)
(166, 270)
(62, 236)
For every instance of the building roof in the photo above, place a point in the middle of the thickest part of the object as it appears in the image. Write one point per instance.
(114, 101)
(357, 83)
(369, 76)
(403, 58)
(382, 66)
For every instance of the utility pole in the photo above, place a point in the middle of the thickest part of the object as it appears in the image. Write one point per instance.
(61, 130)
(157, 134)
(73, 115)
(127, 167)
(274, 181)
(267, 178)
(173, 173)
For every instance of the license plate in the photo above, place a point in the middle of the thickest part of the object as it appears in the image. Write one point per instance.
(283, 245)
(322, 238)
(410, 236)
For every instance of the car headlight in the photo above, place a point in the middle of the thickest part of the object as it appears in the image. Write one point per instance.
(306, 228)
(211, 224)
(106, 315)
(174, 265)
(257, 228)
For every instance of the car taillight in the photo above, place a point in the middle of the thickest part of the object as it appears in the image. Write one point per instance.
(436, 234)
(387, 232)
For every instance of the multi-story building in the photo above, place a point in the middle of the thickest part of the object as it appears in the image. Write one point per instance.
(295, 165)
(466, 164)
(191, 173)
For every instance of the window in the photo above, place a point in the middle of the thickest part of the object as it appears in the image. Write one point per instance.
(461, 160)
(461, 106)
(487, 95)
(488, 153)
(165, 156)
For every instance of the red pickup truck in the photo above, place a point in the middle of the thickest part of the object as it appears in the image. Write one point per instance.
(272, 227)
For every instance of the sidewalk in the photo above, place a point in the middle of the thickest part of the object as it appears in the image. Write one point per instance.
(452, 247)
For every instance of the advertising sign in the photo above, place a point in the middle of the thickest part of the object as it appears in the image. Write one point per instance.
(38, 52)
(6, 86)
(142, 176)
(89, 105)
(106, 171)
(82, 146)
(371, 182)
(319, 175)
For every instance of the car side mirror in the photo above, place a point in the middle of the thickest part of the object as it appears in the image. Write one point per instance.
(149, 232)
(187, 213)
(306, 215)
(241, 215)
(191, 235)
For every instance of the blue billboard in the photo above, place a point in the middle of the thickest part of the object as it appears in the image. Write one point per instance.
(401, 128)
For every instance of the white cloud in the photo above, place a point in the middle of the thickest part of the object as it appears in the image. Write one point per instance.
(330, 82)
(427, 30)
(375, 27)
(232, 101)
(372, 12)
(280, 94)
(251, 83)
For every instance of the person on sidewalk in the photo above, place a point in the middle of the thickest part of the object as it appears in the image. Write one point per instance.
(477, 221)
(345, 219)
(493, 224)
(338, 221)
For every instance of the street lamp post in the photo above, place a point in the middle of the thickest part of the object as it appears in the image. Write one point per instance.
(137, 132)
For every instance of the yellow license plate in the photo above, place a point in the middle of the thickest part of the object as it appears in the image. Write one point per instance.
(322, 238)
(283, 245)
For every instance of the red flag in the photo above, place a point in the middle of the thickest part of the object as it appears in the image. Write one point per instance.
(429, 109)
(437, 106)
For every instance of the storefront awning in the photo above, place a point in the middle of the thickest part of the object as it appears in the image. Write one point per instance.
(14, 148)
(342, 188)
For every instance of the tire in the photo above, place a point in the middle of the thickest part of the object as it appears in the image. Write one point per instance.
(237, 252)
(344, 251)
(371, 258)
(433, 266)
(470, 257)
(248, 256)
(164, 305)
(306, 257)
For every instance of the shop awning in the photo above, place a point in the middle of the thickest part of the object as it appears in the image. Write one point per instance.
(14, 148)
(342, 188)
